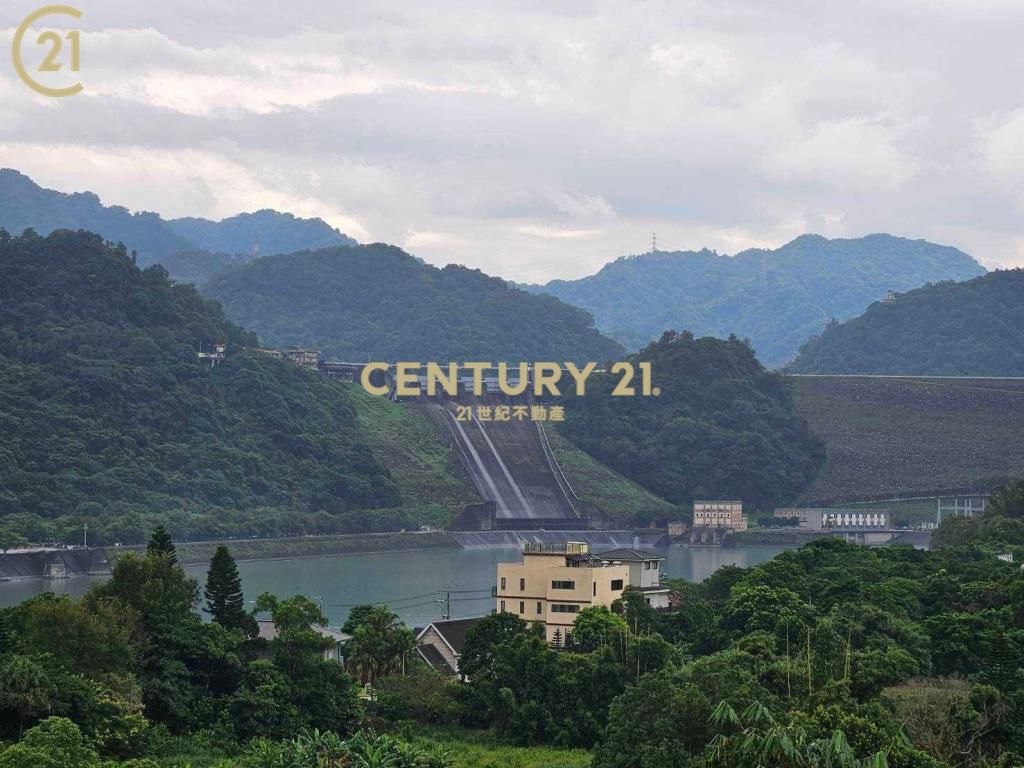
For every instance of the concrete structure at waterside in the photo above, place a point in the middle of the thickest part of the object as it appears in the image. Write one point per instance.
(959, 506)
(816, 519)
(719, 514)
(554, 583)
(53, 563)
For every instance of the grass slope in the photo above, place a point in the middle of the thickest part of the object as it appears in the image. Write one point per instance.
(422, 465)
(480, 749)
(620, 498)
(892, 437)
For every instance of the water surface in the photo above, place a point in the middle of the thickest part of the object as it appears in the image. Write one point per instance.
(406, 581)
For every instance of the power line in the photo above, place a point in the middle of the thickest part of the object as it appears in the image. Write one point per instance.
(397, 600)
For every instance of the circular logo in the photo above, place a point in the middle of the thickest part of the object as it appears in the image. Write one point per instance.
(52, 60)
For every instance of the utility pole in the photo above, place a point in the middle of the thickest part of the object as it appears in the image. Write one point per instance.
(444, 599)
(85, 535)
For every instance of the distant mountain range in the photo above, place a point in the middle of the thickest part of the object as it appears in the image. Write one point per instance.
(191, 249)
(378, 302)
(972, 328)
(776, 298)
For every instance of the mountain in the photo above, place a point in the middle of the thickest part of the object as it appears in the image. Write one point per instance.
(970, 328)
(721, 427)
(776, 298)
(378, 302)
(192, 249)
(107, 415)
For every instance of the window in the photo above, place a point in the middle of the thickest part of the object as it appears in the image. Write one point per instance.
(502, 583)
(540, 608)
(616, 585)
(595, 589)
(563, 585)
(647, 566)
(522, 607)
(559, 608)
(503, 606)
(522, 585)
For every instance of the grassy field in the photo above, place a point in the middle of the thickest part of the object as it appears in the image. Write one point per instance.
(427, 471)
(898, 437)
(480, 749)
(620, 498)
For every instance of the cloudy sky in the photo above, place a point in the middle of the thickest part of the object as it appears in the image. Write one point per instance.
(537, 139)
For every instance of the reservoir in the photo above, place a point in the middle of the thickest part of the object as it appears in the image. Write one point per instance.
(405, 581)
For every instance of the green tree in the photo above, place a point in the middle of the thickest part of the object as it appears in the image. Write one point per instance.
(379, 646)
(657, 722)
(160, 543)
(25, 689)
(223, 593)
(481, 639)
(55, 743)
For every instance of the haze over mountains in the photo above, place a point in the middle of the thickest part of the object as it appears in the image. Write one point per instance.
(192, 249)
(972, 328)
(776, 298)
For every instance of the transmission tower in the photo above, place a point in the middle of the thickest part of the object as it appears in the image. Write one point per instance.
(654, 242)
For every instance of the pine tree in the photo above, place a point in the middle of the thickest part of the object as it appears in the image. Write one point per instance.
(223, 593)
(160, 543)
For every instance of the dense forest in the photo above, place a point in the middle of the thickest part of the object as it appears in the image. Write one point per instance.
(834, 656)
(107, 416)
(776, 298)
(191, 249)
(722, 427)
(378, 302)
(972, 328)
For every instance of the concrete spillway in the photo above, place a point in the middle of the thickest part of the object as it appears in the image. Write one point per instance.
(510, 464)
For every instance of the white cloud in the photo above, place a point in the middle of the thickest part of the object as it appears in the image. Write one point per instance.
(539, 140)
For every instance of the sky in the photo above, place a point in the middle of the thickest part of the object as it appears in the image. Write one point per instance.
(539, 140)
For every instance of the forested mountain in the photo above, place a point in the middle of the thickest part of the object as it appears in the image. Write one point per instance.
(776, 298)
(378, 302)
(108, 417)
(722, 426)
(971, 328)
(192, 249)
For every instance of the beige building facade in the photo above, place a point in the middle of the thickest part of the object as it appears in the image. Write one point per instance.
(719, 514)
(554, 583)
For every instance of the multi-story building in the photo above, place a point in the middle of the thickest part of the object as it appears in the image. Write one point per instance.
(554, 583)
(719, 514)
(816, 519)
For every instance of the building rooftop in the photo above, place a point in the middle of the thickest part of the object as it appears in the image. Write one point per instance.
(434, 658)
(268, 631)
(629, 555)
(453, 631)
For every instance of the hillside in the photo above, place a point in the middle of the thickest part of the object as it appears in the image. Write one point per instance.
(192, 249)
(972, 328)
(776, 298)
(378, 302)
(108, 417)
(898, 437)
(722, 427)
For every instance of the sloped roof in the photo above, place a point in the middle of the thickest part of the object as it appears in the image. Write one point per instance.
(268, 631)
(434, 658)
(629, 555)
(453, 631)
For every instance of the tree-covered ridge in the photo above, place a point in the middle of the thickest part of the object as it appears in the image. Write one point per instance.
(192, 249)
(378, 302)
(722, 427)
(776, 298)
(107, 416)
(971, 328)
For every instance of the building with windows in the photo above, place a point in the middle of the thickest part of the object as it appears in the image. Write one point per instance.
(440, 643)
(817, 519)
(554, 583)
(719, 514)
